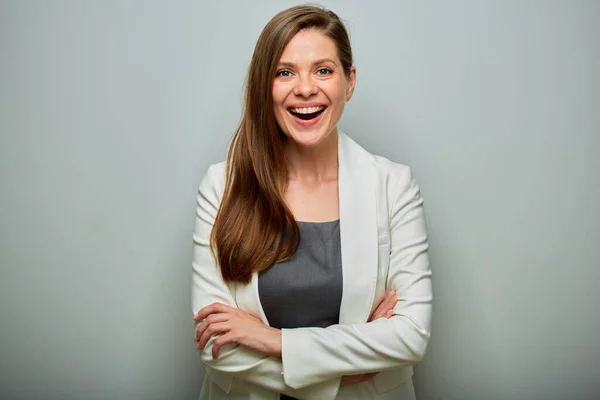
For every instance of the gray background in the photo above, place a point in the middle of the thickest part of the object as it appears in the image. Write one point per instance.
(111, 111)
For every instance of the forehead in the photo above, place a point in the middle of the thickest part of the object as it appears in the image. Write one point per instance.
(308, 45)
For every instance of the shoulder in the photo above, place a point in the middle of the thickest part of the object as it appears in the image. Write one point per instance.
(393, 171)
(213, 184)
(395, 184)
(398, 183)
(215, 174)
(388, 172)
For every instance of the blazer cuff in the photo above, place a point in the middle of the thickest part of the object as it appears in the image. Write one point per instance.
(298, 370)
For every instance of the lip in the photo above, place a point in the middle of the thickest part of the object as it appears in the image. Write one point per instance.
(307, 123)
(306, 105)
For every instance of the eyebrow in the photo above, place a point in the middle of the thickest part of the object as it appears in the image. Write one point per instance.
(320, 61)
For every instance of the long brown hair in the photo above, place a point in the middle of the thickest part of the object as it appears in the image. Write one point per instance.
(254, 228)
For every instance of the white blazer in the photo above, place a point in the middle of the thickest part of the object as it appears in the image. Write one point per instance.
(384, 247)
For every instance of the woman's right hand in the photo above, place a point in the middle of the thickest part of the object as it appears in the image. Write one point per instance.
(385, 309)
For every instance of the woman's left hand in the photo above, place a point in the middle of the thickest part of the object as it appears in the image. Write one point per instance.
(233, 325)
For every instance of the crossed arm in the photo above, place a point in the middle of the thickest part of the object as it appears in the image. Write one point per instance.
(234, 326)
(237, 344)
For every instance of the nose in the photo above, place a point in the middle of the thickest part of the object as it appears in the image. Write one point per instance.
(305, 86)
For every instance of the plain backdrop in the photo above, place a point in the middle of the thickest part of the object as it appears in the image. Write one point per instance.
(111, 111)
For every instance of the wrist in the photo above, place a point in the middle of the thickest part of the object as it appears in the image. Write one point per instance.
(275, 345)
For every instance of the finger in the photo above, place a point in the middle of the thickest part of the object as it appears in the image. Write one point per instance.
(212, 309)
(211, 319)
(219, 342)
(379, 313)
(389, 314)
(392, 298)
(212, 330)
(388, 303)
(394, 295)
(380, 310)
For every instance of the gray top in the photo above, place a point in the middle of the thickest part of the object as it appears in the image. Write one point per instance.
(306, 290)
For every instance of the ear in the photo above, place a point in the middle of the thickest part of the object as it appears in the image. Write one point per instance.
(351, 83)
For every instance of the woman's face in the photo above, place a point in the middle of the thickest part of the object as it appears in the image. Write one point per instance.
(310, 88)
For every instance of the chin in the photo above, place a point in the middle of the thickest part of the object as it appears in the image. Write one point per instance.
(308, 139)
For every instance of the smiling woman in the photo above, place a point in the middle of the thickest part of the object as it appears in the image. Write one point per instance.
(311, 276)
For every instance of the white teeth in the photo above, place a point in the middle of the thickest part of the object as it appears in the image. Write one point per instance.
(307, 110)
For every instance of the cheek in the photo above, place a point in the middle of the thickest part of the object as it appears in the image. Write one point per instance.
(337, 94)
(338, 100)
(279, 93)
(277, 101)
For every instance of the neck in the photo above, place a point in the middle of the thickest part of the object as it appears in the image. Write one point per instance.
(316, 164)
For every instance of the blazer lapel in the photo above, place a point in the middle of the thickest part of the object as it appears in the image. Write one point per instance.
(358, 229)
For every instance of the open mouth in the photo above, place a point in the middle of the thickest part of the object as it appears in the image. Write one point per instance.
(308, 113)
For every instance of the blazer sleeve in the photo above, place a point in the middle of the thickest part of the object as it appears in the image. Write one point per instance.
(313, 355)
(208, 287)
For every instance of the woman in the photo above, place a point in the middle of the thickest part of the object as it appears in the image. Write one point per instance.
(303, 238)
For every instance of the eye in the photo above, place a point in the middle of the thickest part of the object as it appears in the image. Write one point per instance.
(324, 71)
(284, 73)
